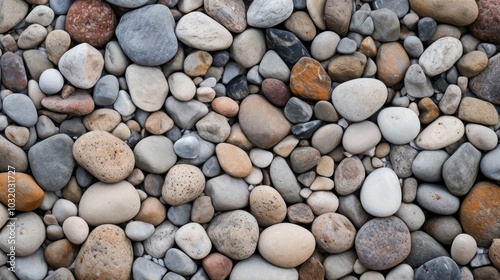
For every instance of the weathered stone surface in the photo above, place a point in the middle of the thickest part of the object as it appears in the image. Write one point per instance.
(82, 65)
(183, 183)
(456, 12)
(79, 103)
(486, 85)
(309, 80)
(230, 13)
(148, 87)
(487, 25)
(200, 31)
(13, 64)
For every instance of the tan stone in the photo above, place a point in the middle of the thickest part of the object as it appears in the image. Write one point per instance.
(152, 211)
(102, 119)
(347, 67)
(455, 12)
(392, 63)
(233, 160)
(57, 43)
(477, 111)
(60, 253)
(267, 205)
(183, 184)
(158, 123)
(472, 63)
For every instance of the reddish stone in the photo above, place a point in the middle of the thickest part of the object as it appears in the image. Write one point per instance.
(487, 25)
(275, 91)
(429, 111)
(479, 213)
(310, 81)
(217, 266)
(14, 74)
(392, 63)
(80, 103)
(91, 21)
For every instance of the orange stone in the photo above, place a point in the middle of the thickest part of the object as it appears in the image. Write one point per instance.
(392, 63)
(309, 80)
(479, 213)
(217, 266)
(28, 195)
(368, 47)
(233, 160)
(429, 111)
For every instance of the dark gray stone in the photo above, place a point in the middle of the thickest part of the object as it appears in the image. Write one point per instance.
(401, 158)
(426, 27)
(83, 177)
(141, 116)
(179, 215)
(106, 91)
(423, 249)
(146, 269)
(486, 84)
(306, 130)
(399, 7)
(237, 88)
(362, 23)
(441, 268)
(413, 46)
(299, 4)
(174, 134)
(350, 206)
(178, 262)
(297, 110)
(440, 84)
(52, 162)
(461, 169)
(73, 127)
(437, 199)
(287, 45)
(386, 25)
(211, 167)
(147, 35)
(20, 109)
(220, 58)
(443, 228)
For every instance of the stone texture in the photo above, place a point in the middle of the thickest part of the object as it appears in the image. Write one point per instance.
(309, 80)
(209, 35)
(30, 233)
(79, 103)
(485, 85)
(82, 65)
(287, 45)
(245, 270)
(343, 68)
(148, 87)
(392, 63)
(423, 249)
(447, 12)
(265, 14)
(438, 268)
(440, 56)
(478, 111)
(486, 25)
(267, 205)
(29, 195)
(461, 169)
(333, 232)
(11, 13)
(183, 183)
(13, 64)
(338, 15)
(442, 132)
(231, 14)
(60, 253)
(217, 266)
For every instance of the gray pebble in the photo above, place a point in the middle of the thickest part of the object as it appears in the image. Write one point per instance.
(153, 184)
(146, 269)
(63, 209)
(490, 165)
(220, 58)
(187, 147)
(220, 89)
(350, 206)
(461, 169)
(45, 127)
(174, 133)
(60, 7)
(413, 46)
(427, 166)
(185, 114)
(138, 248)
(362, 23)
(452, 75)
(227, 193)
(272, 66)
(231, 70)
(402, 157)
(60, 23)
(211, 167)
(32, 266)
(173, 276)
(162, 239)
(443, 228)
(20, 108)
(298, 111)
(284, 180)
(106, 90)
(253, 76)
(306, 130)
(208, 82)
(417, 84)
(424, 248)
(346, 46)
(139, 231)
(141, 116)
(399, 7)
(59, 274)
(207, 149)
(200, 275)
(83, 177)
(179, 215)
(73, 127)
(178, 262)
(437, 199)
(299, 4)
(386, 25)
(427, 26)
(487, 48)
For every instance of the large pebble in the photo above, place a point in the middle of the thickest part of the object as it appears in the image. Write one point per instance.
(264, 14)
(442, 132)
(417, 84)
(75, 229)
(107, 253)
(103, 155)
(309, 80)
(162, 239)
(438, 268)
(478, 111)
(155, 154)
(200, 31)
(398, 125)
(286, 245)
(489, 164)
(358, 99)
(234, 234)
(139, 231)
(246, 270)
(447, 12)
(147, 269)
(109, 203)
(361, 136)
(28, 193)
(481, 136)
(227, 192)
(82, 65)
(385, 24)
(463, 249)
(349, 175)
(13, 64)
(284, 180)
(383, 243)
(12, 155)
(148, 87)
(60, 253)
(423, 249)
(461, 169)
(440, 56)
(267, 205)
(193, 240)
(287, 45)
(79, 103)
(29, 235)
(231, 14)
(20, 109)
(333, 232)
(183, 183)
(147, 36)
(51, 162)
(392, 63)
(437, 199)
(381, 193)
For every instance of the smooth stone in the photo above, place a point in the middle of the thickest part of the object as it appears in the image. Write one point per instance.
(181, 86)
(358, 99)
(51, 81)
(185, 114)
(401, 157)
(428, 165)
(286, 245)
(333, 232)
(267, 205)
(13, 64)
(377, 202)
(161, 240)
(481, 136)
(344, 68)
(20, 109)
(202, 211)
(52, 156)
(493, 253)
(442, 132)
(435, 60)
(362, 23)
(80, 103)
(485, 26)
(29, 195)
(437, 199)
(139, 231)
(399, 7)
(187, 147)
(29, 231)
(183, 184)
(13, 12)
(386, 25)
(417, 84)
(209, 35)
(143, 268)
(443, 228)
(234, 234)
(75, 229)
(57, 43)
(423, 249)
(60, 253)
(477, 213)
(193, 240)
(233, 160)
(349, 176)
(472, 63)
(197, 63)
(102, 119)
(392, 63)
(107, 252)
(273, 66)
(426, 28)
(227, 193)
(179, 215)
(346, 46)
(327, 138)
(138, 32)
(300, 213)
(383, 243)
(352, 141)
(63, 209)
(438, 268)
(303, 159)
(105, 156)
(302, 25)
(248, 57)
(402, 271)
(33, 35)
(324, 45)
(237, 88)
(477, 111)
(36, 63)
(489, 166)
(337, 14)
(463, 249)
(207, 150)
(451, 99)
(82, 65)
(211, 167)
(123, 104)
(245, 270)
(231, 14)
(306, 130)
(261, 158)
(99, 205)
(284, 181)
(263, 14)
(287, 45)
(339, 266)
(398, 125)
(115, 60)
(412, 215)
(309, 80)
(447, 13)
(155, 154)
(461, 169)
(33, 266)
(413, 46)
(217, 266)
(148, 87)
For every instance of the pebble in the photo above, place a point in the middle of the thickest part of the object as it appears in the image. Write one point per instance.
(33, 234)
(287, 45)
(344, 68)
(443, 228)
(447, 14)
(463, 249)
(82, 65)
(273, 66)
(442, 132)
(107, 246)
(79, 103)
(284, 181)
(327, 138)
(197, 63)
(434, 62)
(493, 253)
(438, 268)
(324, 45)
(231, 14)
(386, 25)
(402, 271)
(179, 214)
(398, 125)
(227, 193)
(354, 144)
(185, 114)
(358, 99)
(147, 86)
(267, 205)
(436, 198)
(263, 14)
(338, 240)
(428, 165)
(147, 269)
(32, 266)
(488, 164)
(29, 194)
(244, 56)
(484, 27)
(18, 135)
(472, 63)
(233, 160)
(115, 60)
(217, 266)
(427, 27)
(162, 239)
(213, 127)
(139, 231)
(60, 253)
(417, 84)
(339, 265)
(381, 203)
(155, 154)
(309, 80)
(97, 205)
(486, 272)
(208, 35)
(20, 109)
(477, 111)
(202, 211)
(302, 25)
(33, 35)
(234, 234)
(183, 183)
(246, 268)
(187, 147)
(13, 12)
(401, 157)
(392, 63)
(461, 169)
(193, 240)
(140, 39)
(451, 100)
(75, 229)
(101, 119)
(412, 215)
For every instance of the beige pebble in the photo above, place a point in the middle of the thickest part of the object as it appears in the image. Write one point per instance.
(205, 94)
(152, 211)
(102, 119)
(158, 123)
(238, 138)
(285, 147)
(267, 205)
(233, 160)
(478, 111)
(122, 131)
(325, 166)
(225, 106)
(183, 184)
(18, 135)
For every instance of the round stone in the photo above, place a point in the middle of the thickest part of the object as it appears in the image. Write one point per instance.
(51, 81)
(155, 154)
(139, 231)
(181, 86)
(183, 183)
(463, 249)
(75, 229)
(20, 108)
(361, 136)
(398, 125)
(60, 253)
(217, 266)
(286, 245)
(383, 243)
(392, 63)
(333, 232)
(233, 160)
(482, 137)
(267, 205)
(381, 193)
(263, 14)
(349, 175)
(201, 32)
(82, 65)
(193, 240)
(412, 215)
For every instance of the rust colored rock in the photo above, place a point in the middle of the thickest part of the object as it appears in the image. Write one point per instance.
(429, 111)
(487, 25)
(14, 74)
(368, 47)
(309, 80)
(392, 63)
(91, 21)
(80, 103)
(276, 91)
(28, 194)
(217, 266)
(479, 213)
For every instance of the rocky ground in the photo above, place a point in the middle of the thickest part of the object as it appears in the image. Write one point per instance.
(231, 139)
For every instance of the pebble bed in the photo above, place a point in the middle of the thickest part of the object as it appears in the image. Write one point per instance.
(264, 139)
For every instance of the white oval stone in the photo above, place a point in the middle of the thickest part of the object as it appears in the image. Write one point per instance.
(261, 158)
(286, 245)
(381, 193)
(359, 137)
(109, 203)
(181, 86)
(482, 137)
(356, 100)
(75, 229)
(440, 56)
(193, 240)
(398, 125)
(264, 14)
(463, 249)
(51, 81)
(201, 32)
(442, 132)
(29, 233)
(82, 65)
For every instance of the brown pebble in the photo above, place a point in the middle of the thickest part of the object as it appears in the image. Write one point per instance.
(60, 253)
(300, 213)
(275, 91)
(152, 211)
(72, 191)
(80, 103)
(217, 266)
(158, 123)
(477, 111)
(429, 111)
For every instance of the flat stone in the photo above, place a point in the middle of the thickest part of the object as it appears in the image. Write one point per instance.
(434, 60)
(82, 65)
(447, 13)
(146, 35)
(287, 45)
(185, 114)
(227, 193)
(438, 268)
(412, 215)
(33, 35)
(428, 165)
(80, 103)
(183, 183)
(209, 35)
(20, 109)
(437, 199)
(344, 68)
(231, 14)
(148, 87)
(267, 205)
(478, 111)
(309, 80)
(381, 193)
(423, 249)
(338, 16)
(102, 119)
(263, 14)
(155, 154)
(442, 132)
(33, 234)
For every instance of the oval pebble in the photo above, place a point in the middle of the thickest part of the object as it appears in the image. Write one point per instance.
(398, 125)
(436, 198)
(75, 229)
(193, 240)
(381, 193)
